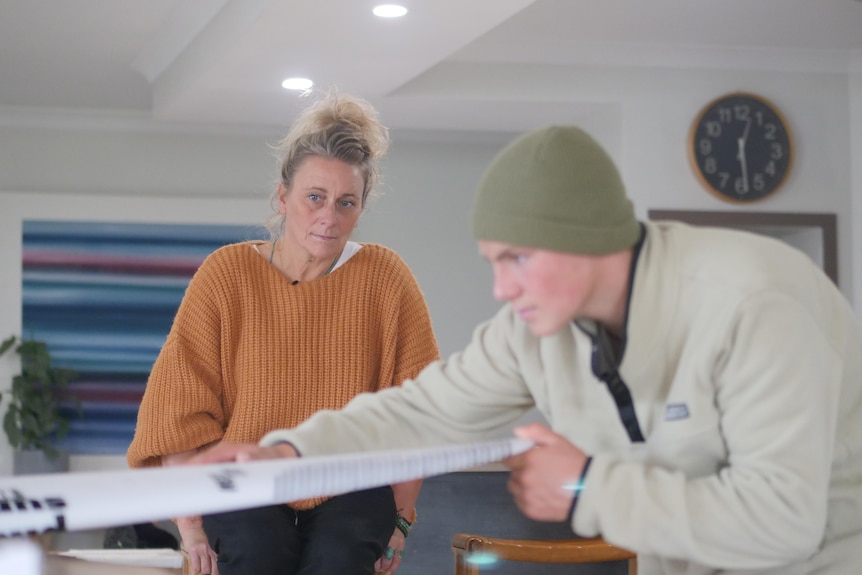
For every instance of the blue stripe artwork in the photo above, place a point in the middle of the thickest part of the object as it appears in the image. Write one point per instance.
(103, 297)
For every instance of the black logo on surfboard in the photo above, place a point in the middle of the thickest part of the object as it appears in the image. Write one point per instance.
(22, 515)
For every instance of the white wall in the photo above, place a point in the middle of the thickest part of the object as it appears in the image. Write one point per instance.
(137, 173)
(96, 155)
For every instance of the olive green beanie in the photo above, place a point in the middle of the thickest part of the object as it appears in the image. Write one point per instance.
(555, 189)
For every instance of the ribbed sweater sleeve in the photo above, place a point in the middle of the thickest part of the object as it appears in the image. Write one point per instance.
(181, 408)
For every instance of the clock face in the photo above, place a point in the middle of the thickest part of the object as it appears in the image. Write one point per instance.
(740, 147)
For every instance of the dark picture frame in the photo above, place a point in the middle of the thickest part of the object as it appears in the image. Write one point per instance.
(768, 223)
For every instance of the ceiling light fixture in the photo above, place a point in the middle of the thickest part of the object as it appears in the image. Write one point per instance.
(297, 84)
(390, 11)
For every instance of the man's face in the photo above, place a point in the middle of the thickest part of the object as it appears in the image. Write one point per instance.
(546, 289)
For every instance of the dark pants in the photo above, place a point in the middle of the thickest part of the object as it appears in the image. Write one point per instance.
(343, 536)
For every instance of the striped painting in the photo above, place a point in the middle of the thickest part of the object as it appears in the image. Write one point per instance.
(103, 297)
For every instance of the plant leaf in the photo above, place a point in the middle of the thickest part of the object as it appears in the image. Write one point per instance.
(33, 418)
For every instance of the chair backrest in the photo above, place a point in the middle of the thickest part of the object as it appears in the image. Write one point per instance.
(472, 551)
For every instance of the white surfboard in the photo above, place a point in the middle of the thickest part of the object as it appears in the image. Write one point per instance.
(32, 504)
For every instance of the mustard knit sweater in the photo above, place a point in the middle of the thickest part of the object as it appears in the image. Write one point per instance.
(248, 352)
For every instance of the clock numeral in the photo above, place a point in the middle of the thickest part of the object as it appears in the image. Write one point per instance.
(713, 129)
(769, 131)
(742, 112)
(739, 186)
(758, 115)
(705, 147)
(777, 151)
(724, 177)
(770, 168)
(710, 166)
(725, 115)
(758, 182)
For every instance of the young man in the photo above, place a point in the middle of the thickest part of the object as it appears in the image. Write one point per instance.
(703, 386)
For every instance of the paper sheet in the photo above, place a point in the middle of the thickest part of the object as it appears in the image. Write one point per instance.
(164, 558)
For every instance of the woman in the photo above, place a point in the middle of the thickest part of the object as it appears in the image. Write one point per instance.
(268, 333)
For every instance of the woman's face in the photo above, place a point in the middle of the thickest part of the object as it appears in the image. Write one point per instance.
(322, 206)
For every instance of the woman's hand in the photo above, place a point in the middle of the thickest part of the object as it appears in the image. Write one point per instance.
(196, 545)
(391, 558)
(194, 540)
(228, 451)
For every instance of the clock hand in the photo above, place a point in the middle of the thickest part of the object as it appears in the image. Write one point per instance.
(745, 132)
(740, 155)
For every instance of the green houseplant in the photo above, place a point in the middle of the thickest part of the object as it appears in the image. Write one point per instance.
(33, 420)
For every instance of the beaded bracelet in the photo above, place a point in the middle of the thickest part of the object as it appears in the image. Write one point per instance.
(403, 525)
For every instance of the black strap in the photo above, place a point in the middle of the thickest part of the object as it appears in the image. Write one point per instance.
(605, 356)
(605, 367)
(578, 488)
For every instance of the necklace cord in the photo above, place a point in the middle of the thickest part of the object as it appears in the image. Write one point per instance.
(326, 273)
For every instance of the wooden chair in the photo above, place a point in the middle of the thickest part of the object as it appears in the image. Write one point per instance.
(594, 550)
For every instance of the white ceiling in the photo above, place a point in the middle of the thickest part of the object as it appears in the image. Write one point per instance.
(221, 62)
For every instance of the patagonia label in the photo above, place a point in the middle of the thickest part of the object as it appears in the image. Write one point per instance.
(675, 411)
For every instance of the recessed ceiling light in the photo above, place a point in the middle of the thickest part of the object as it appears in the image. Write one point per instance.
(390, 11)
(297, 84)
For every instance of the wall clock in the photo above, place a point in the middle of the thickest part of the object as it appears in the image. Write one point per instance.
(740, 147)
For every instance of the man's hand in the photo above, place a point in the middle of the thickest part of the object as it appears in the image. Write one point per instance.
(543, 479)
(227, 451)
